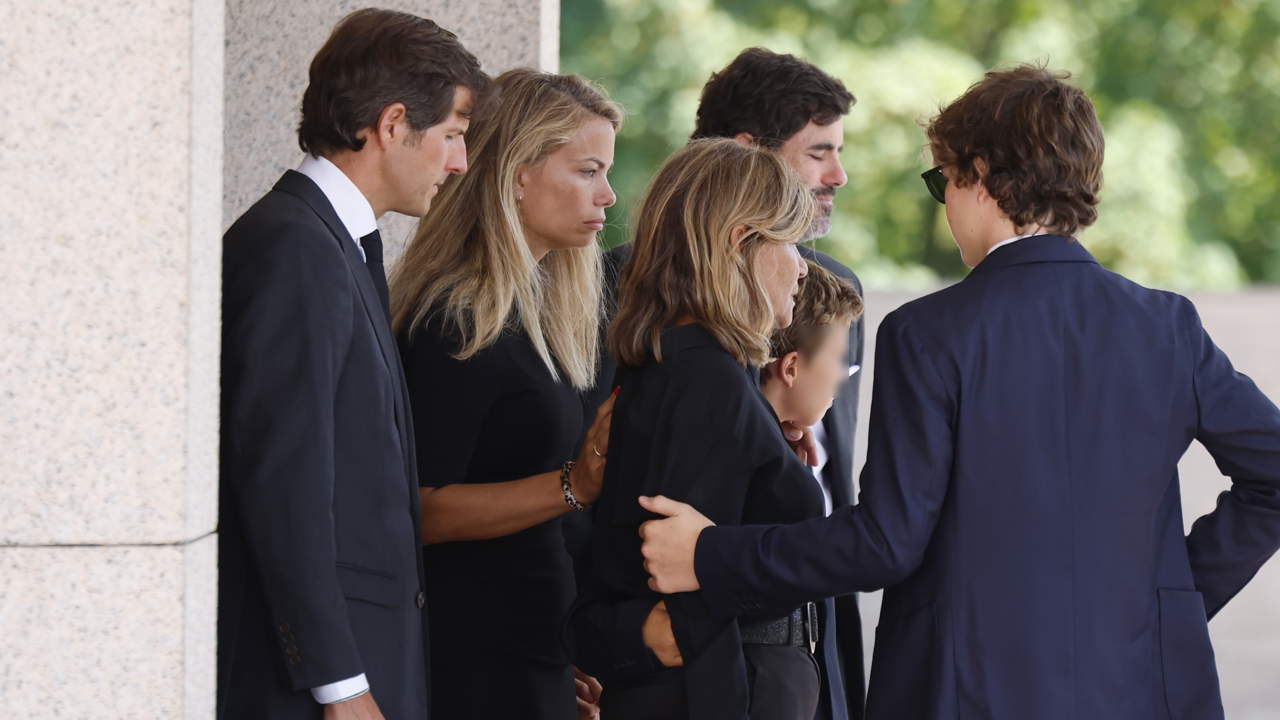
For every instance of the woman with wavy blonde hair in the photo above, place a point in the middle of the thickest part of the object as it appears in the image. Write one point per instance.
(496, 302)
(714, 270)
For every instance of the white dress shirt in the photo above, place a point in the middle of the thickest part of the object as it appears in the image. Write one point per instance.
(820, 439)
(348, 202)
(356, 214)
(1012, 240)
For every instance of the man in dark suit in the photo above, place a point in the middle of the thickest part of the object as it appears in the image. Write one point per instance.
(1020, 501)
(793, 107)
(320, 589)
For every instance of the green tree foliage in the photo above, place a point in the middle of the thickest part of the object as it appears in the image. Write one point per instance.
(1188, 92)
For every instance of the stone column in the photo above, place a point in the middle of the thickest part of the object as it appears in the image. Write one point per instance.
(110, 212)
(131, 135)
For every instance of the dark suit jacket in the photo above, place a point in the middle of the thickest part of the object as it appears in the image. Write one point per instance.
(321, 571)
(1021, 505)
(840, 424)
(697, 428)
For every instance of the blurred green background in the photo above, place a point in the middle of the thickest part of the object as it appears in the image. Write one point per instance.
(1188, 93)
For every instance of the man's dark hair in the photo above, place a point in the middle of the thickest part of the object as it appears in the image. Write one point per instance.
(375, 58)
(769, 95)
(1040, 139)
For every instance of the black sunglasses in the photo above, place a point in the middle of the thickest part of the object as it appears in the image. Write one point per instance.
(937, 184)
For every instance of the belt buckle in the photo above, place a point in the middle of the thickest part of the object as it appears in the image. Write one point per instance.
(811, 626)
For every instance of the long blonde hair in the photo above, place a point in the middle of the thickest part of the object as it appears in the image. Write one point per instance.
(683, 262)
(469, 258)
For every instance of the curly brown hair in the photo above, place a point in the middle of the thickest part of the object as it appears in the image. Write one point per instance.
(770, 95)
(824, 299)
(375, 58)
(1040, 139)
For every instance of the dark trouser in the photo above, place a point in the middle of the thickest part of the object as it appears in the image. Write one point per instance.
(660, 695)
(783, 680)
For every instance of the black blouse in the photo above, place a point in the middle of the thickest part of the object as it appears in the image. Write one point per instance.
(696, 428)
(495, 607)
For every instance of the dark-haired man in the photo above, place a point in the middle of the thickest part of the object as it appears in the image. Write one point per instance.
(1020, 502)
(786, 104)
(320, 586)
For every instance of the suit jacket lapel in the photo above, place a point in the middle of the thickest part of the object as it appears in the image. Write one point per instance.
(372, 305)
(391, 356)
(302, 187)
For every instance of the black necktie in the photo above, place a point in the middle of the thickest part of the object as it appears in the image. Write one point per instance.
(372, 244)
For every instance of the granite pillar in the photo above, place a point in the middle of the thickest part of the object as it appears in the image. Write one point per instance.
(110, 209)
(131, 135)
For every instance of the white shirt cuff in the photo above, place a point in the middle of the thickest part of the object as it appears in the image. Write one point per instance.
(342, 690)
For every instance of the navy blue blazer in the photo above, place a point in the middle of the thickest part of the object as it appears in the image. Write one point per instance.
(320, 558)
(1020, 502)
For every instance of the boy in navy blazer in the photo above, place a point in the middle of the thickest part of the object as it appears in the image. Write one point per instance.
(1020, 502)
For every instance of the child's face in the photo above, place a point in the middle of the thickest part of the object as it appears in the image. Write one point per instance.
(818, 376)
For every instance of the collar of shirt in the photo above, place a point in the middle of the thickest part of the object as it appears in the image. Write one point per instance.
(1012, 240)
(348, 202)
(820, 440)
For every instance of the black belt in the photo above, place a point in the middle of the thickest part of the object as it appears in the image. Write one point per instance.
(799, 629)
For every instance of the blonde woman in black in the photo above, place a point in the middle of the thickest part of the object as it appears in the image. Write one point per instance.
(497, 305)
(714, 271)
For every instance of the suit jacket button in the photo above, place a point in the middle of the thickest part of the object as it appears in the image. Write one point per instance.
(421, 600)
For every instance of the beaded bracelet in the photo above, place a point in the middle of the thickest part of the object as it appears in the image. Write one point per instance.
(567, 488)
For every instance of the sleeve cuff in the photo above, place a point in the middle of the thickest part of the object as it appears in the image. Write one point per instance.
(631, 655)
(341, 691)
(714, 565)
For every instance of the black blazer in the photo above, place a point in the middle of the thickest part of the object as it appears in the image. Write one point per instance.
(694, 427)
(1020, 501)
(839, 424)
(321, 567)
